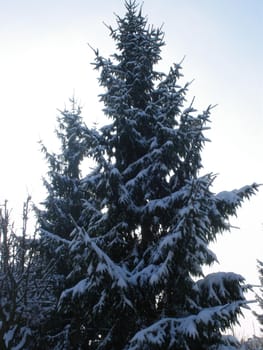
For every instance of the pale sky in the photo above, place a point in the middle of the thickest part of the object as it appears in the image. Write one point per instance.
(45, 59)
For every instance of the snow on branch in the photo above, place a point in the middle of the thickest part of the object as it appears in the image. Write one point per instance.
(218, 288)
(55, 238)
(102, 269)
(229, 201)
(105, 264)
(174, 331)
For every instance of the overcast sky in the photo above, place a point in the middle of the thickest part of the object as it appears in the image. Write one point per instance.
(45, 58)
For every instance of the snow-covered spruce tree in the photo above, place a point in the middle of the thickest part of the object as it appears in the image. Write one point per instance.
(139, 261)
(63, 207)
(63, 203)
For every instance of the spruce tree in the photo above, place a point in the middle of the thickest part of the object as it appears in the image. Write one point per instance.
(61, 211)
(63, 203)
(150, 215)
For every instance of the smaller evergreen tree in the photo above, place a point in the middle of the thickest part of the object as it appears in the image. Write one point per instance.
(63, 210)
(63, 204)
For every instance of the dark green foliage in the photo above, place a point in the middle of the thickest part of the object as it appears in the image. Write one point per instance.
(63, 206)
(146, 216)
(62, 210)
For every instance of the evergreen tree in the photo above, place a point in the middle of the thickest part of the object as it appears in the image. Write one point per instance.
(63, 203)
(150, 216)
(61, 211)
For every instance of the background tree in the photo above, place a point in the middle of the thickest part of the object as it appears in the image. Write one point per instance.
(25, 298)
(138, 260)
